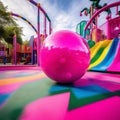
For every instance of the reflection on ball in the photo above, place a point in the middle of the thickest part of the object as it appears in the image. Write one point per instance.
(64, 56)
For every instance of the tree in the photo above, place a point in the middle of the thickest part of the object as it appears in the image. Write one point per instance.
(26, 42)
(2, 31)
(8, 26)
(9, 33)
(5, 18)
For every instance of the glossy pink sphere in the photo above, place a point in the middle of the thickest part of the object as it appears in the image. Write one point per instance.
(64, 56)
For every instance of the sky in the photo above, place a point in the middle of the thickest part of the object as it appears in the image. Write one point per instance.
(64, 14)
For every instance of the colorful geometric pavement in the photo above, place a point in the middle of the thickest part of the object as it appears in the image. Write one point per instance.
(30, 95)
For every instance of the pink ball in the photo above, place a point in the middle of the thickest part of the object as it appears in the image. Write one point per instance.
(65, 56)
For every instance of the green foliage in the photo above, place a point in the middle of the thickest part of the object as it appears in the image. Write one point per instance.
(2, 31)
(9, 33)
(26, 42)
(8, 27)
(5, 18)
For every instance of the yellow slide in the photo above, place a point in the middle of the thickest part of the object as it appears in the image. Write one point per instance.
(106, 44)
(95, 48)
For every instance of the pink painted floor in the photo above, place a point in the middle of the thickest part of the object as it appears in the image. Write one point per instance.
(43, 99)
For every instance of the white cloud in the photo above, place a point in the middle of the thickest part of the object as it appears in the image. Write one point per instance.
(69, 19)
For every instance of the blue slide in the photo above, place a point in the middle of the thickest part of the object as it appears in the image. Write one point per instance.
(108, 58)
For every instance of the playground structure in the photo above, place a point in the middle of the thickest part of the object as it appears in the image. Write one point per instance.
(34, 48)
(2, 51)
(90, 30)
(108, 30)
(28, 94)
(15, 54)
(19, 16)
(105, 53)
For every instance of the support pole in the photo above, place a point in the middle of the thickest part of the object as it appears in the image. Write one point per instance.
(50, 29)
(38, 40)
(117, 10)
(14, 45)
(44, 25)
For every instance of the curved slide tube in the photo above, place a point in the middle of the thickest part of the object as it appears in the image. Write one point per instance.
(115, 66)
(108, 58)
(101, 53)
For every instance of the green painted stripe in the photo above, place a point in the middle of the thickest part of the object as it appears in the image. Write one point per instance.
(100, 51)
(26, 94)
(76, 103)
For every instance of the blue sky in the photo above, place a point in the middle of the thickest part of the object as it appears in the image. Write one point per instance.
(63, 5)
(64, 14)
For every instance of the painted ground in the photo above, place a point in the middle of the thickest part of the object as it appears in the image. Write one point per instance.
(30, 95)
